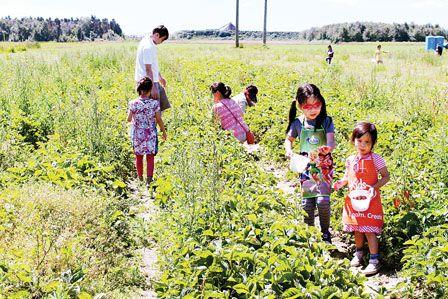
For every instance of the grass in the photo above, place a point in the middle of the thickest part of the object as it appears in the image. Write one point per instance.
(64, 155)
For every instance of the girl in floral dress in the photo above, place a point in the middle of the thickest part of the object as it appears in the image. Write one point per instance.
(144, 112)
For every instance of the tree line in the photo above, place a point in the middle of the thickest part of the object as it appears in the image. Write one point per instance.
(61, 30)
(343, 32)
(369, 31)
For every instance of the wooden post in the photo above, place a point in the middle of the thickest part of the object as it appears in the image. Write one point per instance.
(265, 20)
(237, 41)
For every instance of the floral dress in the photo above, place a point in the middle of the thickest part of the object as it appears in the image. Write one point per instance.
(143, 130)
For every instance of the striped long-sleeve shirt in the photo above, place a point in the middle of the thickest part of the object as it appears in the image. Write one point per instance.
(231, 118)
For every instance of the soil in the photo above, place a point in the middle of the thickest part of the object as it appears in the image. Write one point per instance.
(149, 254)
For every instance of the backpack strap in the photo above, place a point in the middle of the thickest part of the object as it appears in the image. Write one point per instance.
(234, 116)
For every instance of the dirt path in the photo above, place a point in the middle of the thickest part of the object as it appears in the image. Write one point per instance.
(382, 283)
(149, 254)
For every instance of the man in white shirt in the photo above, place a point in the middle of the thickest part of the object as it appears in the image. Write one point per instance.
(246, 98)
(147, 64)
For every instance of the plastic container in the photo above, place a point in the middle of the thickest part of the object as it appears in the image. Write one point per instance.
(431, 42)
(360, 199)
(298, 163)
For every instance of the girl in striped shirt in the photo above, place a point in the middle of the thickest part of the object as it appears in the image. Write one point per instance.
(228, 112)
(365, 174)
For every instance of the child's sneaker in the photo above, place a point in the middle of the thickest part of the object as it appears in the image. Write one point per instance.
(372, 268)
(357, 259)
(326, 237)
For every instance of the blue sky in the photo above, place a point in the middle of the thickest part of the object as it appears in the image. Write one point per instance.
(140, 16)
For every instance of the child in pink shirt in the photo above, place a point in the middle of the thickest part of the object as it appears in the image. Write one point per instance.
(228, 112)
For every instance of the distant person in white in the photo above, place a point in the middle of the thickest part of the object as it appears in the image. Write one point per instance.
(247, 98)
(147, 65)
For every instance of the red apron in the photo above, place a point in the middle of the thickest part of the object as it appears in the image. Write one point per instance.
(361, 176)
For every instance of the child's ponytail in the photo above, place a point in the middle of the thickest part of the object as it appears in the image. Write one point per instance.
(227, 93)
(292, 114)
(222, 88)
(144, 85)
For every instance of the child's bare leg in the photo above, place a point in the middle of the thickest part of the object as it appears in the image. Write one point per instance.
(372, 240)
(359, 240)
(374, 264)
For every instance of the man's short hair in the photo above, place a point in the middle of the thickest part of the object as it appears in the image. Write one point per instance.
(162, 31)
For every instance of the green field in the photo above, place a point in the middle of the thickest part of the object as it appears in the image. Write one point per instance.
(68, 218)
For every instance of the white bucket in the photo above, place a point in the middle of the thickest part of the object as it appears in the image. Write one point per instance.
(298, 163)
(360, 199)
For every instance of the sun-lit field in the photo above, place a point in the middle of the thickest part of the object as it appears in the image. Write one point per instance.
(68, 219)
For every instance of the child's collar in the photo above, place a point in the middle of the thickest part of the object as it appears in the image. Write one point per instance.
(358, 156)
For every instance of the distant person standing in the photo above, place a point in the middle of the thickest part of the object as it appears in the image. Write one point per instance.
(439, 50)
(330, 54)
(378, 55)
(147, 64)
(247, 98)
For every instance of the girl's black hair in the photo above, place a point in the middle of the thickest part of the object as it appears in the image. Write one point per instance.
(225, 90)
(228, 92)
(362, 128)
(304, 92)
(144, 85)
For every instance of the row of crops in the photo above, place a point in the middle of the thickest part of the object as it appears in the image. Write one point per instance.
(68, 221)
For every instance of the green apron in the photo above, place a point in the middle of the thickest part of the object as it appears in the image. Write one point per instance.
(312, 181)
(311, 140)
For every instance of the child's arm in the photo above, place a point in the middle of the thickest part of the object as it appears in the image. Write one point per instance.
(342, 182)
(216, 117)
(130, 114)
(288, 146)
(384, 178)
(162, 80)
(250, 103)
(339, 184)
(330, 141)
(149, 73)
(331, 144)
(161, 125)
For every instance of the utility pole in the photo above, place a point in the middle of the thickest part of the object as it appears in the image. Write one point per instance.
(237, 41)
(265, 20)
